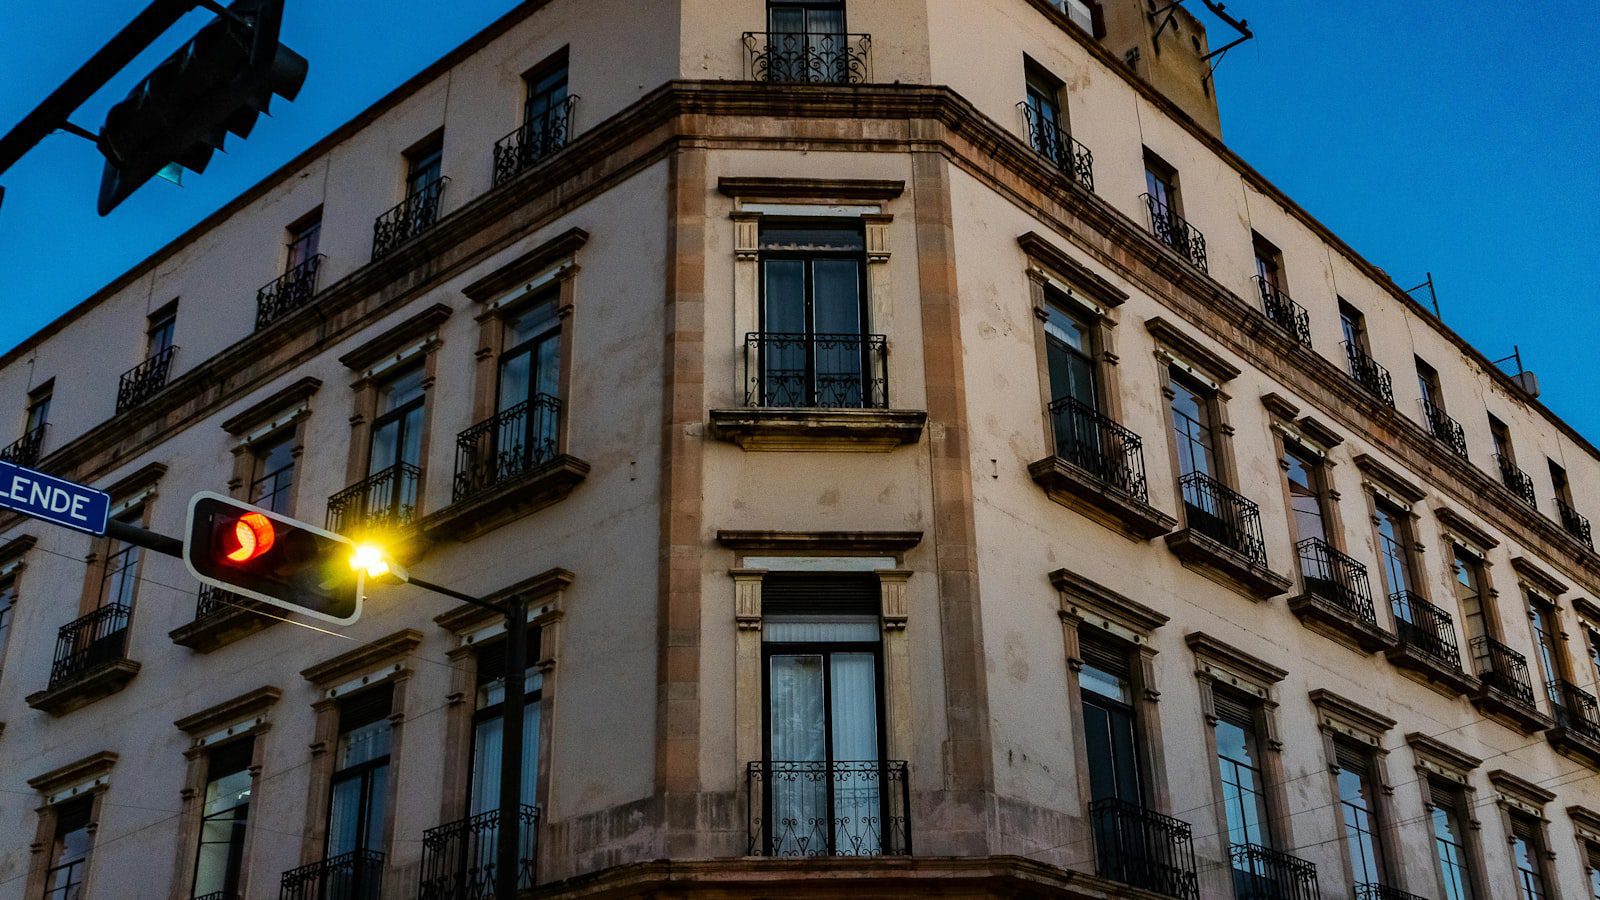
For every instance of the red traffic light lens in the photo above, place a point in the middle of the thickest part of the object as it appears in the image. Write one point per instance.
(253, 534)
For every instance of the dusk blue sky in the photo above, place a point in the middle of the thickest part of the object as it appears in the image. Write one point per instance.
(1459, 139)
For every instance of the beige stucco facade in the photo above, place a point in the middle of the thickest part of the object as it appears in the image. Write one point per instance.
(645, 543)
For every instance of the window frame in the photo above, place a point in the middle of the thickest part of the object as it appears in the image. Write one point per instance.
(1162, 184)
(161, 330)
(66, 815)
(239, 847)
(303, 240)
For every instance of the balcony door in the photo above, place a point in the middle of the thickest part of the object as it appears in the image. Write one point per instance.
(1109, 732)
(394, 455)
(806, 41)
(477, 848)
(814, 350)
(359, 795)
(529, 387)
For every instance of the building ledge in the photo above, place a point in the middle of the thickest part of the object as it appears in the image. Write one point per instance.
(859, 430)
(1509, 711)
(1431, 671)
(1094, 498)
(506, 502)
(220, 629)
(1575, 745)
(1327, 618)
(101, 681)
(1226, 565)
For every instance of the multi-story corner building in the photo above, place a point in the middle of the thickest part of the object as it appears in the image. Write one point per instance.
(934, 461)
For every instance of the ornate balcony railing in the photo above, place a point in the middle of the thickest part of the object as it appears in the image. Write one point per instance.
(786, 57)
(459, 859)
(24, 451)
(1576, 523)
(1171, 229)
(214, 601)
(1053, 142)
(1284, 312)
(86, 643)
(533, 140)
(219, 895)
(1336, 577)
(1516, 479)
(288, 292)
(1092, 442)
(1503, 669)
(1369, 374)
(1261, 873)
(506, 446)
(407, 219)
(1424, 628)
(1371, 891)
(1224, 515)
(357, 875)
(145, 380)
(1576, 709)
(829, 808)
(1446, 429)
(829, 371)
(1143, 849)
(383, 501)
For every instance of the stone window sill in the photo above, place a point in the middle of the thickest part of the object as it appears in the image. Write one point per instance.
(839, 430)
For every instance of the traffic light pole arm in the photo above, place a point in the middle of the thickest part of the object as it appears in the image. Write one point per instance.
(142, 537)
(457, 595)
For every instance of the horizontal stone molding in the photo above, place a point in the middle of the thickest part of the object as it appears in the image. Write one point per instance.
(839, 430)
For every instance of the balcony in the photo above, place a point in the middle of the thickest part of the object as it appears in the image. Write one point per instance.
(1336, 600)
(829, 808)
(782, 57)
(1427, 644)
(1516, 479)
(90, 661)
(1171, 229)
(411, 217)
(24, 451)
(459, 859)
(1577, 729)
(220, 618)
(288, 292)
(506, 467)
(1283, 312)
(1505, 691)
(357, 875)
(145, 380)
(1097, 468)
(817, 392)
(1261, 873)
(1575, 523)
(384, 501)
(1383, 892)
(1143, 849)
(1053, 142)
(1367, 373)
(533, 141)
(1222, 535)
(1445, 429)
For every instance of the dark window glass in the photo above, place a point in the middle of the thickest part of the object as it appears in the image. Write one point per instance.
(1526, 847)
(1269, 263)
(484, 792)
(1305, 494)
(1394, 536)
(397, 429)
(224, 819)
(1069, 354)
(1358, 810)
(546, 94)
(1191, 427)
(1106, 685)
(121, 578)
(423, 169)
(530, 364)
(272, 478)
(813, 317)
(1558, 480)
(8, 605)
(359, 795)
(1428, 384)
(1354, 327)
(1547, 650)
(1502, 439)
(1244, 796)
(162, 327)
(1469, 594)
(38, 409)
(303, 241)
(1161, 183)
(1450, 842)
(69, 851)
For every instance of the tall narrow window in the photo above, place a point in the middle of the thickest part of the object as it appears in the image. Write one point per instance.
(272, 474)
(8, 605)
(424, 167)
(359, 795)
(120, 581)
(1069, 354)
(1305, 495)
(219, 864)
(814, 348)
(545, 104)
(484, 792)
(1042, 107)
(1501, 435)
(806, 41)
(1161, 183)
(1109, 733)
(1450, 840)
(1394, 546)
(397, 427)
(38, 408)
(1354, 326)
(1558, 480)
(304, 238)
(1469, 595)
(69, 850)
(530, 384)
(1358, 810)
(163, 325)
(1269, 264)
(1591, 868)
(1527, 845)
(1428, 386)
(1192, 426)
(1591, 640)
(1244, 797)
(1547, 647)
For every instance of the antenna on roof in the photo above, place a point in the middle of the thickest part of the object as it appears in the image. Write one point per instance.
(1432, 296)
(1241, 26)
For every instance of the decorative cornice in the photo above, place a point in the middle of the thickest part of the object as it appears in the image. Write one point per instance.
(850, 190)
(365, 658)
(395, 339)
(1081, 595)
(502, 280)
(1518, 788)
(264, 409)
(865, 543)
(1369, 722)
(1588, 610)
(1535, 575)
(1208, 649)
(1457, 523)
(1184, 346)
(1069, 270)
(136, 481)
(1586, 822)
(1441, 754)
(92, 766)
(535, 591)
(229, 711)
(17, 546)
(1388, 479)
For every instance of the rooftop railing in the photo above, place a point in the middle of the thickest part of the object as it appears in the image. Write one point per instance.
(1171, 229)
(1093, 442)
(1054, 143)
(786, 57)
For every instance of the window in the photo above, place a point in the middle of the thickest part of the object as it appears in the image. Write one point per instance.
(1394, 546)
(806, 41)
(1244, 797)
(159, 335)
(1558, 480)
(530, 379)
(1527, 845)
(69, 850)
(1358, 810)
(815, 351)
(1450, 840)
(1591, 868)
(1069, 354)
(544, 108)
(1469, 595)
(1354, 326)
(1109, 733)
(272, 473)
(304, 237)
(397, 427)
(424, 167)
(1591, 640)
(359, 795)
(121, 578)
(8, 608)
(1192, 427)
(1501, 435)
(1547, 647)
(1161, 183)
(1042, 107)
(38, 408)
(1305, 494)
(1428, 385)
(484, 791)
(220, 861)
(1269, 265)
(1084, 13)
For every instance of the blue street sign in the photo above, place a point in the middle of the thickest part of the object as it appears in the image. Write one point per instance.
(53, 500)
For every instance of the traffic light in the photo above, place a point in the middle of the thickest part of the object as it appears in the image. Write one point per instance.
(257, 553)
(217, 83)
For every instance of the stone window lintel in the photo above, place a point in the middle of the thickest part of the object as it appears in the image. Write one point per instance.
(272, 412)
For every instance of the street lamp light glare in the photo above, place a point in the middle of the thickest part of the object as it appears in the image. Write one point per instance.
(369, 559)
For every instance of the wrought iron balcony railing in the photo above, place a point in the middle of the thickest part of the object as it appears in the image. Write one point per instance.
(506, 446)
(1092, 442)
(288, 292)
(1284, 312)
(1576, 709)
(533, 140)
(787, 57)
(357, 875)
(1576, 523)
(836, 808)
(1143, 849)
(1503, 669)
(1171, 229)
(383, 501)
(1446, 429)
(1054, 143)
(1336, 577)
(1224, 515)
(1372, 891)
(219, 895)
(1369, 374)
(145, 380)
(1425, 628)
(1261, 873)
(89, 642)
(459, 859)
(828, 371)
(407, 219)
(214, 601)
(1516, 479)
(24, 451)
